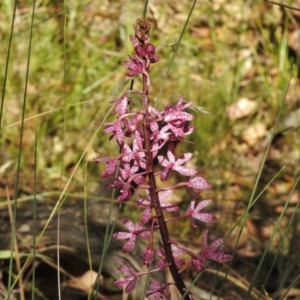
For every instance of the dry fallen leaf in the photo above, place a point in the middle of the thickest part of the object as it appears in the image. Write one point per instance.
(241, 108)
(85, 281)
(294, 40)
(252, 134)
(238, 238)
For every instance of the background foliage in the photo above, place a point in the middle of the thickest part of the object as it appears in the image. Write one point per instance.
(63, 78)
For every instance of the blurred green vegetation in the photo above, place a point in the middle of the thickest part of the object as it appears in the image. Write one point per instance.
(230, 50)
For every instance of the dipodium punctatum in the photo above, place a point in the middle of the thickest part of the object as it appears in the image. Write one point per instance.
(140, 137)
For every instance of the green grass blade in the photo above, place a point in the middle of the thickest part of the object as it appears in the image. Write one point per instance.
(20, 152)
(7, 62)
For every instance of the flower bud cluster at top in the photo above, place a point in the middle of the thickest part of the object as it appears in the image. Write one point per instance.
(140, 136)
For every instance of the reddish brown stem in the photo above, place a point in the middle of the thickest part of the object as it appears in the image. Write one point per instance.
(154, 197)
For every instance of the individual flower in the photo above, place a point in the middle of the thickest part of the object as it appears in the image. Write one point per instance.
(129, 279)
(195, 185)
(121, 105)
(116, 129)
(134, 232)
(129, 173)
(124, 185)
(181, 105)
(159, 137)
(129, 163)
(135, 42)
(125, 188)
(177, 119)
(176, 115)
(132, 126)
(175, 165)
(127, 179)
(135, 66)
(162, 262)
(198, 183)
(111, 165)
(148, 206)
(211, 252)
(136, 154)
(159, 291)
(181, 132)
(196, 213)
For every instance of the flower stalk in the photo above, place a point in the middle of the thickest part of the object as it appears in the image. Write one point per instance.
(149, 131)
